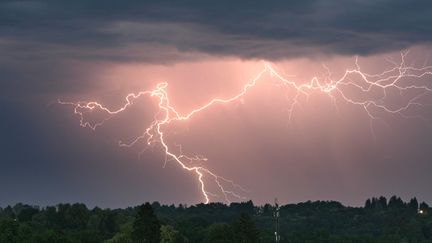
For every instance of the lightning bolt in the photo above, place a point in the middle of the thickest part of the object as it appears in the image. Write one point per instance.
(166, 114)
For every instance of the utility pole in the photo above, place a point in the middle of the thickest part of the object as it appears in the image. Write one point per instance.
(276, 220)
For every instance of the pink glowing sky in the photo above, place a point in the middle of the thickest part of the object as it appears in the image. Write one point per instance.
(326, 151)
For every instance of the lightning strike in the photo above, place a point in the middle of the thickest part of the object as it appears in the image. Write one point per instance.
(167, 114)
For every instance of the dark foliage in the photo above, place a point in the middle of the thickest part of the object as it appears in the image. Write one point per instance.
(380, 220)
(146, 226)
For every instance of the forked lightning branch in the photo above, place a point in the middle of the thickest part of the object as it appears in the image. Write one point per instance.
(391, 78)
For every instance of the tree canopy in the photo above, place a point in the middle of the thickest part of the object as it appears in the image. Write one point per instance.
(380, 220)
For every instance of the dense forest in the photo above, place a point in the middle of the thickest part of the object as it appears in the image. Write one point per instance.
(379, 220)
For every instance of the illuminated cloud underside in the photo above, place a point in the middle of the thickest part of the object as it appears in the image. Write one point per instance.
(364, 83)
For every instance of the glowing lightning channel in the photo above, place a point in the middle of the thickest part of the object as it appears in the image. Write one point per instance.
(166, 113)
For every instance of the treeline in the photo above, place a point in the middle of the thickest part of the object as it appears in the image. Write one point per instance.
(380, 220)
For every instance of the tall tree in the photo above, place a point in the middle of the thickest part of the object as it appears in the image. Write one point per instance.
(413, 204)
(368, 203)
(395, 202)
(383, 202)
(245, 229)
(146, 226)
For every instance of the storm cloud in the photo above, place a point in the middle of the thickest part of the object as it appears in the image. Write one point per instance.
(167, 31)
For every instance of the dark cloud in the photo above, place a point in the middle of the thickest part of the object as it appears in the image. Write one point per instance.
(246, 29)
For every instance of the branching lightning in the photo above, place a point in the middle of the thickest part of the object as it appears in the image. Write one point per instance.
(355, 78)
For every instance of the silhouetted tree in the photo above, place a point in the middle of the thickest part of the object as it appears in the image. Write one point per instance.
(368, 204)
(375, 203)
(245, 230)
(106, 220)
(77, 216)
(27, 213)
(9, 212)
(311, 221)
(146, 226)
(51, 216)
(395, 202)
(413, 204)
(383, 202)
(378, 203)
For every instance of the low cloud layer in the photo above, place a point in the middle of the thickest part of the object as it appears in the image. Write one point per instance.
(170, 31)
